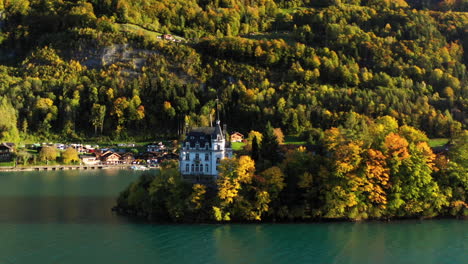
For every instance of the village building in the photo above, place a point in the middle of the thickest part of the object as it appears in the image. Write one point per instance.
(110, 158)
(168, 156)
(167, 37)
(201, 153)
(237, 137)
(149, 157)
(156, 147)
(127, 158)
(6, 151)
(90, 160)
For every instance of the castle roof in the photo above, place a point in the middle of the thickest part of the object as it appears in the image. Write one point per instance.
(203, 135)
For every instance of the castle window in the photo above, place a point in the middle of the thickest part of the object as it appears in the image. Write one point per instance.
(197, 156)
(206, 167)
(187, 156)
(207, 157)
(187, 168)
(193, 168)
(218, 160)
(218, 147)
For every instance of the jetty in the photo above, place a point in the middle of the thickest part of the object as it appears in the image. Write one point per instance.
(64, 167)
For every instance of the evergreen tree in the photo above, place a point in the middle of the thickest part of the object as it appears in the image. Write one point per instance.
(270, 147)
(255, 149)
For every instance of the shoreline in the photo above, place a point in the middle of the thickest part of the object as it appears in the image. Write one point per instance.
(128, 213)
(64, 167)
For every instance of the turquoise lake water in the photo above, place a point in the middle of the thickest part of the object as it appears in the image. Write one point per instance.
(65, 217)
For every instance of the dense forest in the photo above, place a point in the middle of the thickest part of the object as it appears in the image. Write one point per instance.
(78, 69)
(364, 82)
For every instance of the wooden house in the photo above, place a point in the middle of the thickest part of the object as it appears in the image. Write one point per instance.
(167, 37)
(156, 147)
(150, 157)
(6, 151)
(168, 156)
(237, 137)
(110, 158)
(127, 158)
(90, 160)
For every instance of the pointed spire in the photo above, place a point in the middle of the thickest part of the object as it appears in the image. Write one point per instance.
(217, 110)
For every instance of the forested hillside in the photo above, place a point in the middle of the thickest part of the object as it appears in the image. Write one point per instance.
(77, 69)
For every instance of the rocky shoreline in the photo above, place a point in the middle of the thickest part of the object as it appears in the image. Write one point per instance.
(145, 217)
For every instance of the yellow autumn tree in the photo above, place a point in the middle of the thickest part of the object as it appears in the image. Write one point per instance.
(236, 177)
(245, 169)
(396, 146)
(377, 174)
(70, 155)
(198, 195)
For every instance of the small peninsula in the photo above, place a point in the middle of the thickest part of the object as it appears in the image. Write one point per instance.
(374, 170)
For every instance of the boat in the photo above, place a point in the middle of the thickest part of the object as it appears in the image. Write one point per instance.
(139, 167)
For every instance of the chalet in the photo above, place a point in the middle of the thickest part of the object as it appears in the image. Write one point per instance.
(110, 158)
(202, 152)
(237, 137)
(168, 156)
(6, 151)
(167, 37)
(90, 160)
(150, 157)
(79, 147)
(127, 158)
(156, 147)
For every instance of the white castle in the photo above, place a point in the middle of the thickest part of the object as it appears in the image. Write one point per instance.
(202, 151)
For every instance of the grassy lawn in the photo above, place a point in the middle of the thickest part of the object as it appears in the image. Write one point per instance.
(237, 146)
(438, 142)
(7, 164)
(293, 140)
(148, 33)
(134, 29)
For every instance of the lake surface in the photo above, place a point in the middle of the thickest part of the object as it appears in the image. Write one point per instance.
(65, 217)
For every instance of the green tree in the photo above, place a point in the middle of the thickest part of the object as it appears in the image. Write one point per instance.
(255, 149)
(98, 114)
(24, 157)
(269, 151)
(8, 122)
(452, 175)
